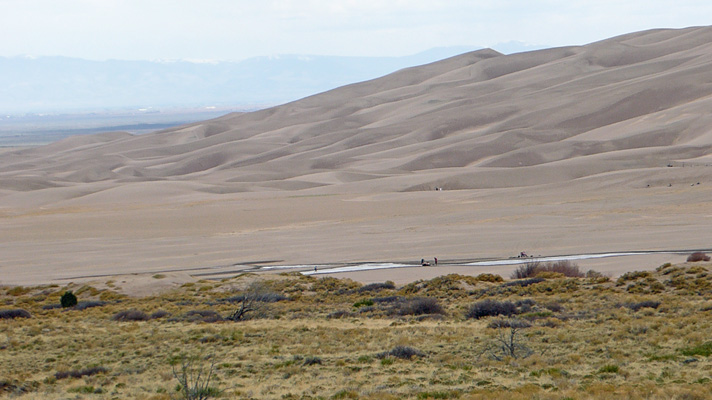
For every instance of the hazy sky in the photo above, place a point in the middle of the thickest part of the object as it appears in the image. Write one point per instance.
(239, 29)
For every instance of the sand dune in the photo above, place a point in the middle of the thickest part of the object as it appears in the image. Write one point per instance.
(549, 138)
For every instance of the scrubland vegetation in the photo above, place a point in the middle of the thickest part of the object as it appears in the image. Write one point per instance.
(644, 335)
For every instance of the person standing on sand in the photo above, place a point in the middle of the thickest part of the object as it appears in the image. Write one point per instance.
(436, 261)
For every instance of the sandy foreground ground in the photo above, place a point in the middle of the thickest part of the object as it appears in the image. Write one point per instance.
(197, 236)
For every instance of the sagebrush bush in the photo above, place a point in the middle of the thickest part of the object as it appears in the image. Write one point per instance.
(203, 316)
(83, 305)
(490, 308)
(698, 256)
(79, 373)
(15, 313)
(159, 314)
(388, 299)
(509, 323)
(130, 315)
(489, 278)
(533, 269)
(420, 306)
(374, 287)
(339, 314)
(402, 352)
(527, 270)
(523, 282)
(262, 297)
(312, 360)
(643, 304)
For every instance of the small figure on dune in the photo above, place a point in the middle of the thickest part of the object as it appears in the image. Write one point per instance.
(436, 261)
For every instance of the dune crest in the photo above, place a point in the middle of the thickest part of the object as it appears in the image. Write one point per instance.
(470, 115)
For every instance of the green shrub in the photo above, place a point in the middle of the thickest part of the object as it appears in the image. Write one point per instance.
(68, 299)
(489, 278)
(609, 369)
(363, 303)
(704, 349)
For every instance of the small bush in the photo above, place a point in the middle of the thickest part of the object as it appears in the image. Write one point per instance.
(130, 315)
(642, 304)
(194, 379)
(311, 360)
(345, 394)
(80, 373)
(698, 256)
(339, 314)
(68, 299)
(508, 323)
(452, 394)
(16, 313)
(363, 303)
(18, 291)
(533, 269)
(421, 306)
(609, 369)
(554, 307)
(83, 305)
(262, 296)
(632, 276)
(487, 308)
(203, 316)
(159, 314)
(524, 305)
(388, 299)
(402, 352)
(489, 278)
(527, 270)
(705, 350)
(374, 287)
(523, 282)
(664, 266)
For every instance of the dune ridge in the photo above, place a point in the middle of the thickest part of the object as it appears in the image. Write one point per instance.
(474, 114)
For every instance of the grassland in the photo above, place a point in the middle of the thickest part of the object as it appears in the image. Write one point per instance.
(642, 336)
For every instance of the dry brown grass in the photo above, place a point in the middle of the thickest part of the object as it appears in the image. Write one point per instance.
(588, 340)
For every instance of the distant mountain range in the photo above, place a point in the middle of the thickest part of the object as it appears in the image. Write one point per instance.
(60, 84)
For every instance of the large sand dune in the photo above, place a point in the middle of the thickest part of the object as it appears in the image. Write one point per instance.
(578, 149)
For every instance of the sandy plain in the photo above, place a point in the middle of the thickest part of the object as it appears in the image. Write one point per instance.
(216, 236)
(585, 149)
